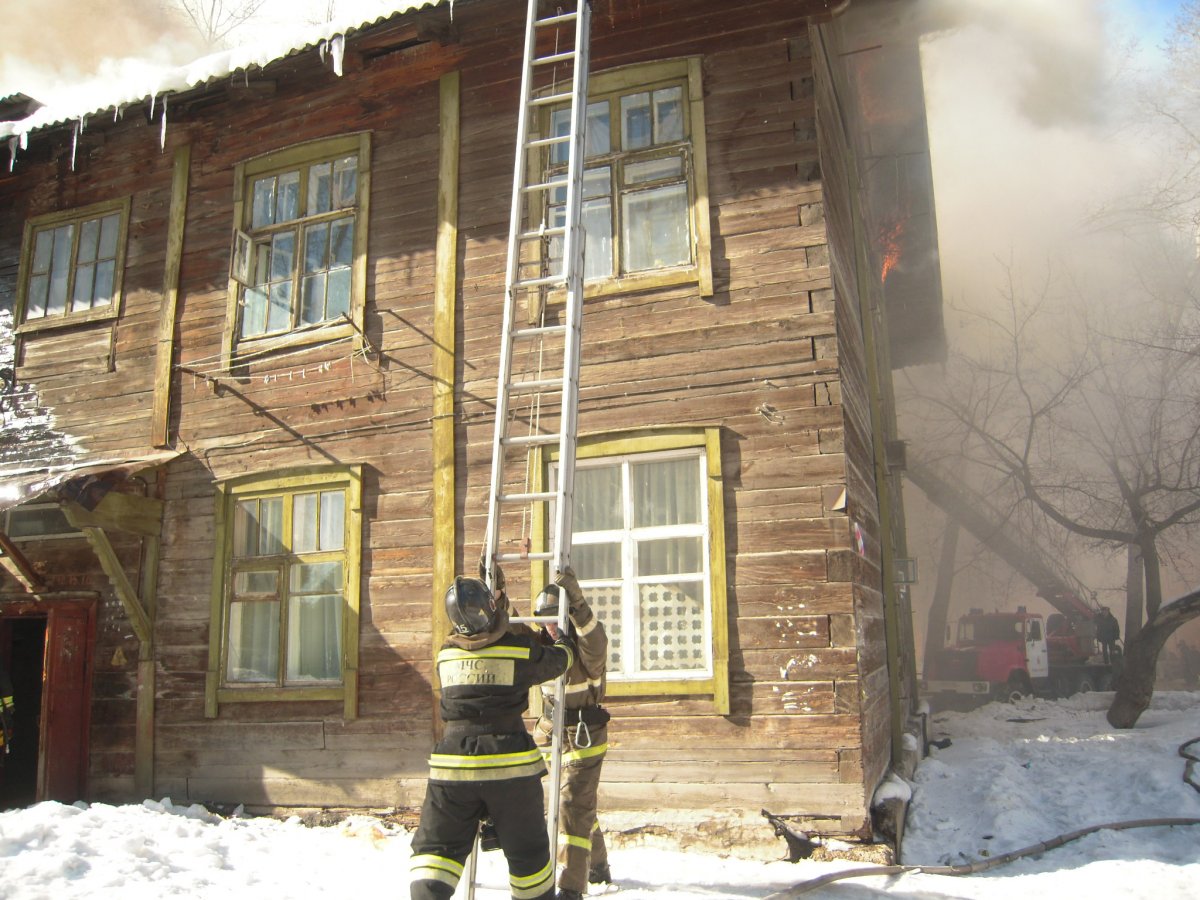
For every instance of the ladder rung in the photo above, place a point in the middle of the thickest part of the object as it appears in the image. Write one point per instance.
(540, 281)
(531, 440)
(557, 20)
(530, 497)
(517, 557)
(550, 98)
(546, 185)
(539, 331)
(541, 384)
(554, 58)
(545, 142)
(548, 620)
(554, 231)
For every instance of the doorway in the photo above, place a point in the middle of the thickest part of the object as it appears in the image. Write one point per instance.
(23, 646)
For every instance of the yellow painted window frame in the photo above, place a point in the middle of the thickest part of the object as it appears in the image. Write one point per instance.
(51, 220)
(237, 349)
(291, 481)
(653, 440)
(639, 75)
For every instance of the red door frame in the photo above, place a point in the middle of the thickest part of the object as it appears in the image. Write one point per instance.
(66, 692)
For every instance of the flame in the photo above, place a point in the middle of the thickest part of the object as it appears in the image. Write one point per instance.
(889, 244)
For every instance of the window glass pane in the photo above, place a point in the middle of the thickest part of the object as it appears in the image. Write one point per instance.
(314, 638)
(279, 315)
(598, 136)
(668, 115)
(665, 492)
(270, 538)
(103, 291)
(635, 121)
(245, 528)
(597, 247)
(596, 562)
(254, 314)
(672, 556)
(312, 307)
(89, 240)
(338, 302)
(38, 521)
(345, 182)
(316, 248)
(255, 583)
(653, 170)
(560, 125)
(315, 578)
(672, 628)
(38, 286)
(655, 231)
(341, 243)
(304, 523)
(597, 500)
(597, 182)
(81, 295)
(109, 228)
(283, 251)
(253, 641)
(42, 245)
(319, 187)
(60, 269)
(263, 203)
(287, 200)
(333, 520)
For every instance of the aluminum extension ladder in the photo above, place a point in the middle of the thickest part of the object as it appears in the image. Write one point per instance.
(544, 262)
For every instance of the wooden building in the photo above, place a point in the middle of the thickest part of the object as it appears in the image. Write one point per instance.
(248, 422)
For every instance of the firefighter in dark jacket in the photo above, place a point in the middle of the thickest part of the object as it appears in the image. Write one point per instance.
(585, 740)
(486, 765)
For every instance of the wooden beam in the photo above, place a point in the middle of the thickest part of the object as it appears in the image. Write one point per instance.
(124, 512)
(19, 565)
(444, 363)
(120, 581)
(160, 421)
(143, 740)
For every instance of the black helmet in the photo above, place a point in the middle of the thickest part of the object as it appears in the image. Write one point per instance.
(471, 606)
(547, 601)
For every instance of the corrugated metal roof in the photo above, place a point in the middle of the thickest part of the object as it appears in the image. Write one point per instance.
(95, 98)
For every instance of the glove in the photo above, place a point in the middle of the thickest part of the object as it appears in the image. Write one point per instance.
(498, 584)
(567, 644)
(566, 578)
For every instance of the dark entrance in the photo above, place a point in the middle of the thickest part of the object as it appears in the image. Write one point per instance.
(23, 644)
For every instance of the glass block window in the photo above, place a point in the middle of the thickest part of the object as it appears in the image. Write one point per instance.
(291, 552)
(640, 547)
(73, 265)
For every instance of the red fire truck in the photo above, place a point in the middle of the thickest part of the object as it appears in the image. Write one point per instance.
(1004, 655)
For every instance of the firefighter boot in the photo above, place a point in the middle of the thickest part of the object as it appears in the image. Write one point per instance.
(600, 874)
(569, 895)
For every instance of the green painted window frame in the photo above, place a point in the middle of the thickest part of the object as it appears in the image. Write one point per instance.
(287, 483)
(43, 223)
(706, 439)
(685, 71)
(237, 348)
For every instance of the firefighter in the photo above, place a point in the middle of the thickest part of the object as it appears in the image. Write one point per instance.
(585, 740)
(7, 712)
(486, 765)
(1108, 632)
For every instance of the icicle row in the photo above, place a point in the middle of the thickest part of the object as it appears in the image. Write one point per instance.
(162, 134)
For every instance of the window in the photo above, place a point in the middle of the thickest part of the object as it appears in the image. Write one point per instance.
(72, 266)
(38, 521)
(286, 603)
(645, 191)
(648, 547)
(298, 272)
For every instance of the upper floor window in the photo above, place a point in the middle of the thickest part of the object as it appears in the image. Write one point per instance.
(645, 191)
(299, 260)
(288, 558)
(72, 266)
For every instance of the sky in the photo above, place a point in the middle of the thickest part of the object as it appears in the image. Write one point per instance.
(1011, 776)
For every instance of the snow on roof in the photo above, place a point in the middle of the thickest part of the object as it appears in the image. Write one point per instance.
(138, 81)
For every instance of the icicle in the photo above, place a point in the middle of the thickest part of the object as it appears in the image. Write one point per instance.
(162, 134)
(321, 50)
(74, 144)
(337, 47)
(152, 99)
(12, 152)
(82, 124)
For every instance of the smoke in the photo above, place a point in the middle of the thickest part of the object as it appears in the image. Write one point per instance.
(51, 44)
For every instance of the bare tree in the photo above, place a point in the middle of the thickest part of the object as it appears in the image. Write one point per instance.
(215, 20)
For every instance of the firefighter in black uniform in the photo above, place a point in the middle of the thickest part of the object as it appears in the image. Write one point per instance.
(486, 765)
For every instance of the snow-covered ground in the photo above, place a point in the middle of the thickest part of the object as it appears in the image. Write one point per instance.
(1011, 777)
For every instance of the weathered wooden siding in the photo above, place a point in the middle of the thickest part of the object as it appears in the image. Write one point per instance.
(773, 358)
